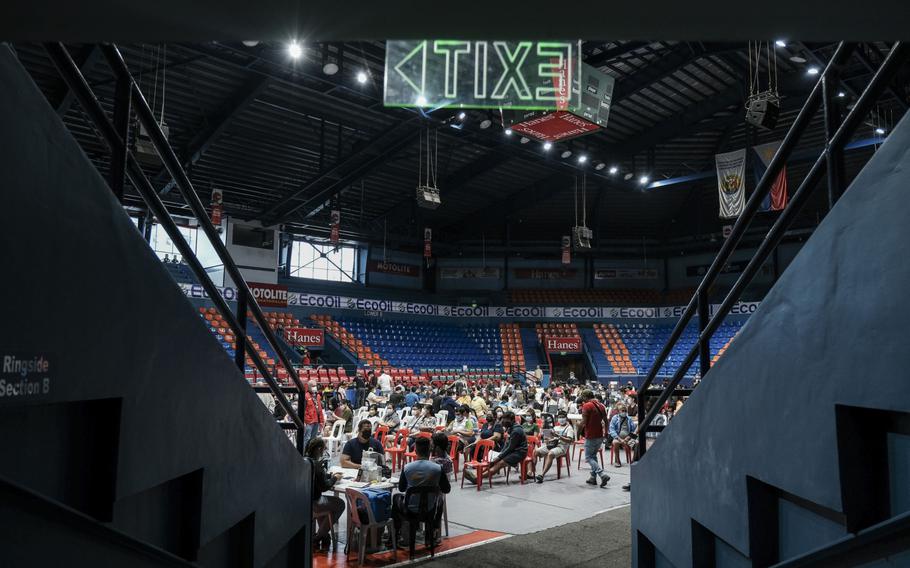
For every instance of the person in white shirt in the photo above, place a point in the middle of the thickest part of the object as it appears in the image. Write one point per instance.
(556, 444)
(385, 383)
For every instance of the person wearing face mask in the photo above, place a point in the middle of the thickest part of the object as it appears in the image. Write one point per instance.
(352, 453)
(515, 449)
(313, 416)
(622, 430)
(424, 422)
(390, 418)
(556, 443)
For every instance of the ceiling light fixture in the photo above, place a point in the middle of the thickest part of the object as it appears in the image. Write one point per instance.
(780, 43)
(600, 166)
(524, 140)
(361, 77)
(614, 170)
(582, 159)
(330, 68)
(485, 123)
(797, 59)
(880, 131)
(628, 176)
(644, 180)
(566, 153)
(812, 70)
(295, 50)
(250, 42)
(462, 115)
(508, 131)
(547, 146)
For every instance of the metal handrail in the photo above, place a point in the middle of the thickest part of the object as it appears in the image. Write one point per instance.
(879, 82)
(86, 97)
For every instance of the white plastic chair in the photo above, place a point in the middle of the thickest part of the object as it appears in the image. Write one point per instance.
(335, 442)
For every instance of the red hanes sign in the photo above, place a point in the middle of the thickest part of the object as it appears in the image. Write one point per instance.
(562, 344)
(305, 337)
(269, 295)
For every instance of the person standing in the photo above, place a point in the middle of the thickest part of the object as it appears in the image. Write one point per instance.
(313, 415)
(593, 418)
(361, 390)
(385, 383)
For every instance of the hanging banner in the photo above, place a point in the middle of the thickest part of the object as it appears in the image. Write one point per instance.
(427, 242)
(777, 198)
(625, 274)
(335, 235)
(562, 344)
(305, 337)
(396, 268)
(468, 272)
(269, 295)
(731, 186)
(545, 273)
(566, 250)
(217, 207)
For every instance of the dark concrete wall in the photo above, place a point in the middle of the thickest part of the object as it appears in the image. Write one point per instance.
(833, 330)
(121, 329)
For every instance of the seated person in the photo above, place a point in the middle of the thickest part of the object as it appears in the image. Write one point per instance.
(341, 412)
(323, 482)
(464, 427)
(352, 453)
(390, 418)
(515, 449)
(622, 430)
(375, 397)
(396, 399)
(423, 422)
(556, 443)
(419, 473)
(411, 398)
(529, 423)
(463, 398)
(440, 453)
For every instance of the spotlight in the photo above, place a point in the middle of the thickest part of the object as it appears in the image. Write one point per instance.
(524, 140)
(566, 153)
(330, 68)
(485, 123)
(250, 42)
(421, 101)
(547, 146)
(508, 131)
(812, 70)
(797, 59)
(361, 77)
(628, 176)
(582, 159)
(462, 115)
(780, 43)
(614, 170)
(880, 131)
(600, 166)
(295, 50)
(644, 180)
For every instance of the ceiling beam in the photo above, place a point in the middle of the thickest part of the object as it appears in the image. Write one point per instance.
(206, 137)
(600, 59)
(90, 55)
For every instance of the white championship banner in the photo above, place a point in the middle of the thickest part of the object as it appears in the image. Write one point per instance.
(392, 307)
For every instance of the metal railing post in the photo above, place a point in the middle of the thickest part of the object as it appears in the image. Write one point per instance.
(122, 126)
(240, 351)
(834, 156)
(704, 344)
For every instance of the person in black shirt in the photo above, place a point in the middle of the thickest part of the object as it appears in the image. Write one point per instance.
(323, 481)
(515, 450)
(360, 388)
(352, 453)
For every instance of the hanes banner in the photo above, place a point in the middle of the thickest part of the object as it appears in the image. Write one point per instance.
(731, 185)
(305, 337)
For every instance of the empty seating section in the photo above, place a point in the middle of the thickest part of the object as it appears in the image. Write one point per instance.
(513, 353)
(614, 348)
(601, 297)
(555, 330)
(227, 339)
(644, 342)
(180, 272)
(423, 345)
(349, 341)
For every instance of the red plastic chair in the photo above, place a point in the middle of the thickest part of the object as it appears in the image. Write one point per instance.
(411, 456)
(614, 455)
(454, 454)
(398, 449)
(479, 462)
(533, 444)
(381, 433)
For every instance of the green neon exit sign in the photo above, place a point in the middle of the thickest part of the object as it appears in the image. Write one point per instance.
(523, 75)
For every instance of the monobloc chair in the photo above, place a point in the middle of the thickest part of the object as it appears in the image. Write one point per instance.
(357, 502)
(480, 462)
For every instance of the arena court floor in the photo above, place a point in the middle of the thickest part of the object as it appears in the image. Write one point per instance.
(517, 510)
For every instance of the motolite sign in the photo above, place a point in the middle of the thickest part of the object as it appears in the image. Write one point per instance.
(305, 337)
(562, 344)
(269, 295)
(397, 268)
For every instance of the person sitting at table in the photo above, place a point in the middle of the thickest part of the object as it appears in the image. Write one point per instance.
(323, 481)
(352, 453)
(375, 397)
(419, 473)
(515, 449)
(390, 418)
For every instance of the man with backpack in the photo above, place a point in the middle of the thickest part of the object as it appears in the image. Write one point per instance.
(593, 422)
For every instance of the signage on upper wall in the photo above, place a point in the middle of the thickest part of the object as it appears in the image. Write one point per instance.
(24, 375)
(625, 274)
(396, 268)
(269, 295)
(465, 273)
(545, 273)
(733, 267)
(530, 75)
(562, 344)
(377, 307)
(305, 337)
